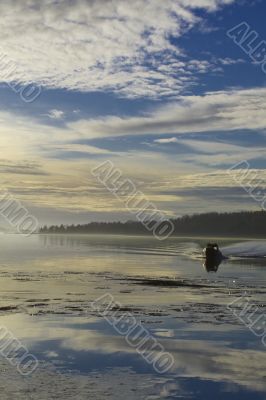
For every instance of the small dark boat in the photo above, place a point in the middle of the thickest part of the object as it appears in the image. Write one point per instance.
(213, 257)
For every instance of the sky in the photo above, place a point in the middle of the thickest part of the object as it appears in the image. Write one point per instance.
(156, 87)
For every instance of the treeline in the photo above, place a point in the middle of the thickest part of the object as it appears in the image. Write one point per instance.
(239, 223)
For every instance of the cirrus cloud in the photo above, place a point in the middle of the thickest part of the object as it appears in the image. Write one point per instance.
(101, 45)
(222, 110)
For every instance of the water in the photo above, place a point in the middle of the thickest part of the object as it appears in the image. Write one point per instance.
(48, 283)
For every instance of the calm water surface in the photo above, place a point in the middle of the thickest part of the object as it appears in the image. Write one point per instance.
(49, 281)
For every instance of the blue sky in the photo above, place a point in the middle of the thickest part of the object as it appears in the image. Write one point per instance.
(158, 87)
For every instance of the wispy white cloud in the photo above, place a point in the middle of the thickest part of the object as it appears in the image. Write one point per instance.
(168, 140)
(230, 61)
(112, 46)
(101, 45)
(222, 110)
(56, 114)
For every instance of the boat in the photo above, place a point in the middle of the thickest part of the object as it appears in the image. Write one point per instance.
(213, 257)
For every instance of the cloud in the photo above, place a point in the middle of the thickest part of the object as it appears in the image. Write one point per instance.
(230, 61)
(222, 110)
(51, 180)
(210, 5)
(111, 46)
(22, 137)
(101, 45)
(56, 114)
(21, 168)
(169, 140)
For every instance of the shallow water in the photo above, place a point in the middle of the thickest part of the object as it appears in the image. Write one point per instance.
(48, 284)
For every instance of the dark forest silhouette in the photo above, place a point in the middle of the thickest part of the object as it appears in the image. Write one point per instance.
(246, 223)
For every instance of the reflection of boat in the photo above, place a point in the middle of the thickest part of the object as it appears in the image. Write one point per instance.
(213, 257)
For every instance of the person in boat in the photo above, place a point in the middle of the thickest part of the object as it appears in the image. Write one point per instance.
(213, 257)
(212, 250)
